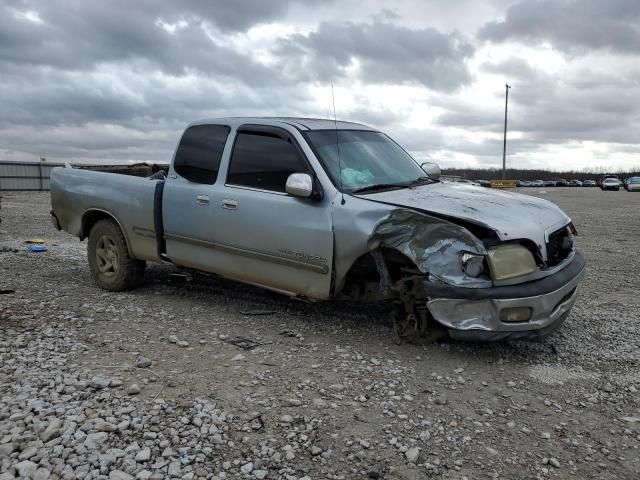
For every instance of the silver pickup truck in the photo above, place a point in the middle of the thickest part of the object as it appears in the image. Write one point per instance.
(331, 210)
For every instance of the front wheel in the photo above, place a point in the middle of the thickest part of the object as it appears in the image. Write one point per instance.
(109, 261)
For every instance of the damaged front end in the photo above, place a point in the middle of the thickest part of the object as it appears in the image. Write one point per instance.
(437, 250)
(437, 247)
(471, 285)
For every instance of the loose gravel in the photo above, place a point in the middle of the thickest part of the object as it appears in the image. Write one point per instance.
(152, 384)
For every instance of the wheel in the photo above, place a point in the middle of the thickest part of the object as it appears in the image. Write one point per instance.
(415, 327)
(109, 261)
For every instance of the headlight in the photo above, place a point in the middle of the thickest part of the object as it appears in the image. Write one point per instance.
(472, 264)
(510, 261)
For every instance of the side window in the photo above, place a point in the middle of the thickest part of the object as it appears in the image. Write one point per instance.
(263, 161)
(199, 153)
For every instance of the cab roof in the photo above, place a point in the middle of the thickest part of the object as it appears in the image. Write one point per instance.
(301, 123)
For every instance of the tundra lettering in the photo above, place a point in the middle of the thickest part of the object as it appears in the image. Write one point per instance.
(304, 256)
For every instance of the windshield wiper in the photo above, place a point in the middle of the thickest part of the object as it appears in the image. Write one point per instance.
(379, 186)
(420, 181)
(386, 186)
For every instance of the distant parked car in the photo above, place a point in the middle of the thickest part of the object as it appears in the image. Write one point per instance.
(589, 183)
(562, 183)
(456, 179)
(525, 183)
(610, 183)
(633, 184)
(468, 182)
(625, 182)
(575, 183)
(483, 183)
(604, 177)
(549, 183)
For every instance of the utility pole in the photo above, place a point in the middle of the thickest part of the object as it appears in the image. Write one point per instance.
(504, 145)
(42, 159)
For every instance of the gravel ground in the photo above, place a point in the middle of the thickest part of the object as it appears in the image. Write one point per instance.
(144, 384)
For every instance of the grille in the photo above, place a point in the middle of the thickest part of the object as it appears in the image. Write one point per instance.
(559, 246)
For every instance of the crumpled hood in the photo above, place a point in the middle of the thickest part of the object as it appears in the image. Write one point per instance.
(510, 215)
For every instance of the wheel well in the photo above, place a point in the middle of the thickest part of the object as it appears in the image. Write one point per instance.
(91, 217)
(365, 270)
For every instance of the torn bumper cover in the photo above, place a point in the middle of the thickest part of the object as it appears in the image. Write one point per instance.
(480, 314)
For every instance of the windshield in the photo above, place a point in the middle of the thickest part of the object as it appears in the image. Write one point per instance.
(634, 180)
(367, 159)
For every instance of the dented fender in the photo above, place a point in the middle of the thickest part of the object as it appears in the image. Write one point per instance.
(432, 243)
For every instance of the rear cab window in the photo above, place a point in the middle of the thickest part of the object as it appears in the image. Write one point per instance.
(199, 153)
(263, 159)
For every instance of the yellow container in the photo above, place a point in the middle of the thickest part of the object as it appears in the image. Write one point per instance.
(503, 183)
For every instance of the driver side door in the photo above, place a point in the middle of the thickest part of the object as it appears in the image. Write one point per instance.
(263, 235)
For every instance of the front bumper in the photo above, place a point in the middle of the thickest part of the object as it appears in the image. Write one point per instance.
(474, 314)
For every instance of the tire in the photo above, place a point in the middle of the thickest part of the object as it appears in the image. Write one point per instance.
(109, 261)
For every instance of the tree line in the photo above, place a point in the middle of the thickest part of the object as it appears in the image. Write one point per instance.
(537, 174)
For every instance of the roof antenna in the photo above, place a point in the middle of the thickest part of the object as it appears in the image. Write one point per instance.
(335, 123)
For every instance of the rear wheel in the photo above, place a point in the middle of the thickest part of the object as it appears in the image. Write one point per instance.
(109, 261)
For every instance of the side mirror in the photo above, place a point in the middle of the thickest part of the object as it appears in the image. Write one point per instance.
(300, 185)
(431, 169)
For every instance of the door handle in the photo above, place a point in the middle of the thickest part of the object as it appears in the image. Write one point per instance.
(202, 199)
(230, 204)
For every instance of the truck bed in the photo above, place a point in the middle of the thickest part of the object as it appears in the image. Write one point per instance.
(131, 200)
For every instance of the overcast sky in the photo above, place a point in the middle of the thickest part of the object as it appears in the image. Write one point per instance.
(120, 79)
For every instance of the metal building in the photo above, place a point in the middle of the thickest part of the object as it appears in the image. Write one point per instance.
(30, 176)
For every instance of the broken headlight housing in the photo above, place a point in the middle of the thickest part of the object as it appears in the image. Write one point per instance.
(510, 261)
(472, 264)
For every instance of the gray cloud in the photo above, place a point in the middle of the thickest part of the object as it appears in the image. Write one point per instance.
(574, 26)
(119, 80)
(111, 75)
(87, 34)
(83, 116)
(433, 144)
(469, 116)
(512, 68)
(68, 71)
(385, 53)
(113, 17)
(554, 110)
(377, 116)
